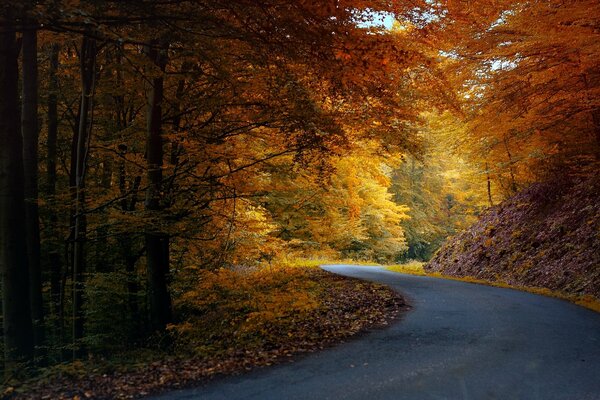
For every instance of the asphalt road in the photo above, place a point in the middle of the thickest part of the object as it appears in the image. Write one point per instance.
(460, 341)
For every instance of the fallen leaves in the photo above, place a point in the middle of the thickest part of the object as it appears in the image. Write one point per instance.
(347, 307)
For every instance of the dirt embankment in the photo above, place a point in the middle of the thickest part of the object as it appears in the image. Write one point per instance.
(546, 236)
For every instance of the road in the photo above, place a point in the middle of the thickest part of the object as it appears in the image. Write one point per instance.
(459, 341)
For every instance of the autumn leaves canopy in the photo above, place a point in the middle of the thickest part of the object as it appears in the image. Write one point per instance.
(234, 133)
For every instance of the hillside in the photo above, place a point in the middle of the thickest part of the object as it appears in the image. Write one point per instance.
(545, 236)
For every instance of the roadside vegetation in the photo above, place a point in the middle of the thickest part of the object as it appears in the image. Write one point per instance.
(230, 322)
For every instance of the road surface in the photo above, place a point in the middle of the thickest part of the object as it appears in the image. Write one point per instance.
(459, 341)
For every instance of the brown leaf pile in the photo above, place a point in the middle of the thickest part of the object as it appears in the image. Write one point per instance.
(348, 306)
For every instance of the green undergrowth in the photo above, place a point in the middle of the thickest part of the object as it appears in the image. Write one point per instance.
(417, 268)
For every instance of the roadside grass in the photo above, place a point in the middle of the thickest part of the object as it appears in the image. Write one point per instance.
(411, 267)
(317, 262)
(417, 268)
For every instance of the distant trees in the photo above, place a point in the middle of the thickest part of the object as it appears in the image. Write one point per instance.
(443, 188)
(347, 214)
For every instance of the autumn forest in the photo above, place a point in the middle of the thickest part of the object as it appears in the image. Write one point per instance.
(163, 162)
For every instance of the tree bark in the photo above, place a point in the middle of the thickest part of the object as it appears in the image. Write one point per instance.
(157, 242)
(596, 119)
(489, 184)
(128, 204)
(513, 182)
(54, 259)
(29, 128)
(88, 75)
(16, 309)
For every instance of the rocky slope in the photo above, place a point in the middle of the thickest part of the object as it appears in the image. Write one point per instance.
(546, 236)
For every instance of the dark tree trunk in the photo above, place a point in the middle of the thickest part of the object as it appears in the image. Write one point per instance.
(176, 147)
(159, 300)
(133, 286)
(128, 204)
(16, 309)
(88, 75)
(29, 127)
(54, 260)
(513, 182)
(596, 118)
(489, 184)
(157, 243)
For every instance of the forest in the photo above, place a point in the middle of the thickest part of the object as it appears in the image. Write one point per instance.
(160, 157)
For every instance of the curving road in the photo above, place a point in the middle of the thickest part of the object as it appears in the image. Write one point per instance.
(460, 341)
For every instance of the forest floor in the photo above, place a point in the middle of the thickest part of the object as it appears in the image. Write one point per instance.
(344, 307)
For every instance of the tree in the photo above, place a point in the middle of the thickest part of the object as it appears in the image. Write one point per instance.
(30, 132)
(227, 91)
(347, 212)
(157, 242)
(79, 158)
(528, 73)
(442, 187)
(16, 308)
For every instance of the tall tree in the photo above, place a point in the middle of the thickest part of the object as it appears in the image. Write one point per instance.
(30, 131)
(54, 258)
(88, 54)
(157, 242)
(16, 308)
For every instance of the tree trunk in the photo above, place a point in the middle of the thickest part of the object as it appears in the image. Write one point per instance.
(131, 259)
(489, 184)
(16, 309)
(157, 243)
(513, 182)
(54, 260)
(88, 75)
(29, 128)
(176, 147)
(128, 204)
(596, 119)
